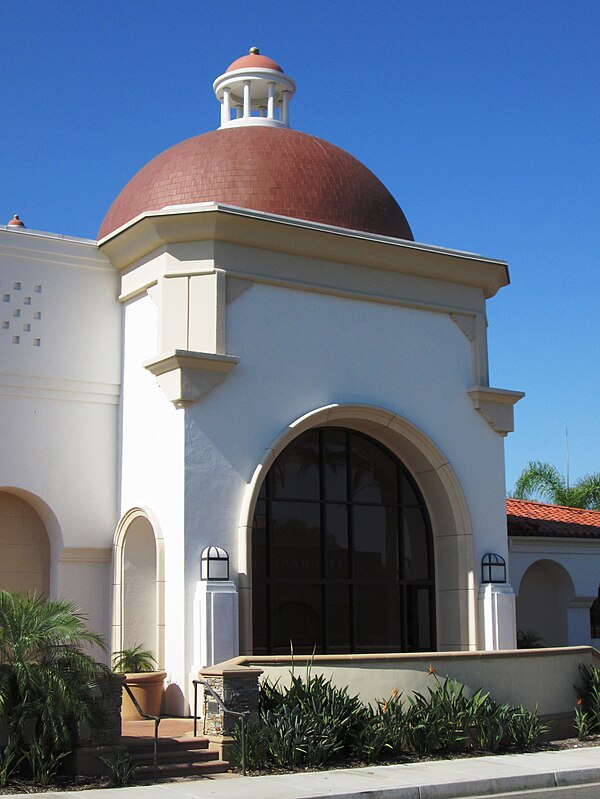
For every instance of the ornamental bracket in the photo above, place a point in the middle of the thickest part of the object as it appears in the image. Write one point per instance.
(185, 376)
(496, 405)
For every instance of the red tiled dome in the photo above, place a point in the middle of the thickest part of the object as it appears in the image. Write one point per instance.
(279, 171)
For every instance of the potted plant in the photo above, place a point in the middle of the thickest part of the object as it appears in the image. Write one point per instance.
(146, 683)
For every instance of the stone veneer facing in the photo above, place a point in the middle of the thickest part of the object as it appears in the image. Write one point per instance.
(109, 734)
(238, 688)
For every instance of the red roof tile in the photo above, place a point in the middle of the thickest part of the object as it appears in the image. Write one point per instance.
(276, 170)
(534, 519)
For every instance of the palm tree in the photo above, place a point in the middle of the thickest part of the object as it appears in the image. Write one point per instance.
(542, 481)
(47, 679)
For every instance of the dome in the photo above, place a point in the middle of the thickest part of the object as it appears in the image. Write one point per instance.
(254, 60)
(276, 170)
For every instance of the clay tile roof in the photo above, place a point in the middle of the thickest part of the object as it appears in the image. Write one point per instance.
(253, 60)
(525, 518)
(275, 170)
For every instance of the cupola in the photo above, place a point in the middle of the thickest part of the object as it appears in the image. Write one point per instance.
(254, 91)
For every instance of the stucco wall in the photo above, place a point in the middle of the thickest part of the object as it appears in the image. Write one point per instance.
(60, 341)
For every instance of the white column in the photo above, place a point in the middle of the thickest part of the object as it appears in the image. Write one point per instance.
(497, 619)
(238, 111)
(284, 107)
(271, 101)
(246, 98)
(226, 106)
(216, 633)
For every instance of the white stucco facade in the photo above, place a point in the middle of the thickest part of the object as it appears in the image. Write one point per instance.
(150, 381)
(373, 337)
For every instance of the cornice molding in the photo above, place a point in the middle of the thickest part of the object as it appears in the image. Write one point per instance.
(211, 222)
(85, 555)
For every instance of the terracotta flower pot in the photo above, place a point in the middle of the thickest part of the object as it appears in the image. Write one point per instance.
(147, 687)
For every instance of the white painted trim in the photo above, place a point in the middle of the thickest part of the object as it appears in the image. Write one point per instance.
(85, 555)
(50, 388)
(555, 546)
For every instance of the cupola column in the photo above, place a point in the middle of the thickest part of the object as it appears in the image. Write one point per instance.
(271, 101)
(247, 111)
(284, 107)
(226, 107)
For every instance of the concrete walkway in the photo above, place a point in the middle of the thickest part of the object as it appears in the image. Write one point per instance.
(440, 779)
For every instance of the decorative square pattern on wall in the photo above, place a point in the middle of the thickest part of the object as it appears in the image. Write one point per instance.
(22, 315)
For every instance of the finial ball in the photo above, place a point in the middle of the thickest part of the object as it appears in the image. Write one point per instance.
(254, 51)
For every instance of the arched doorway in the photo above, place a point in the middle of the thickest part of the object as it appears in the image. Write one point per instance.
(139, 585)
(24, 547)
(342, 554)
(545, 593)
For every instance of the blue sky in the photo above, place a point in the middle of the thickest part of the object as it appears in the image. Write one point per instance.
(482, 118)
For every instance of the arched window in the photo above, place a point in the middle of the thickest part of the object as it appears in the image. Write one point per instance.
(341, 551)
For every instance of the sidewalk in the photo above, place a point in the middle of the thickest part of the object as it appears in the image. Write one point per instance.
(440, 779)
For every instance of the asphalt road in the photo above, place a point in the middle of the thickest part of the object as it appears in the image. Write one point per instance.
(564, 792)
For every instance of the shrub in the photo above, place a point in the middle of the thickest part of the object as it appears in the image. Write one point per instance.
(525, 728)
(313, 724)
(587, 712)
(490, 728)
(47, 682)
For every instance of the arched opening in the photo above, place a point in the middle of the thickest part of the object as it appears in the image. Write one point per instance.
(139, 585)
(595, 617)
(24, 547)
(545, 593)
(342, 550)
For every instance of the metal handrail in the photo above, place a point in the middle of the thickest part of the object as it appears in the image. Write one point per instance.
(150, 717)
(242, 714)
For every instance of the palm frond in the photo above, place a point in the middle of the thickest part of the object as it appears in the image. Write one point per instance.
(540, 480)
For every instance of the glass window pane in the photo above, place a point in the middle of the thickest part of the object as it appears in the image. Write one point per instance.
(295, 473)
(377, 618)
(336, 488)
(336, 538)
(259, 543)
(296, 617)
(409, 496)
(295, 540)
(259, 619)
(375, 534)
(373, 473)
(418, 627)
(415, 560)
(338, 618)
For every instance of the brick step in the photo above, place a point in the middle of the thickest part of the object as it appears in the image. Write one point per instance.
(172, 744)
(175, 756)
(193, 769)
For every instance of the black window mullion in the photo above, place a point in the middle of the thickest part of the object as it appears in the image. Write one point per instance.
(405, 590)
(323, 520)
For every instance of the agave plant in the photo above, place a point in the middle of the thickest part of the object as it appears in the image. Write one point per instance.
(48, 678)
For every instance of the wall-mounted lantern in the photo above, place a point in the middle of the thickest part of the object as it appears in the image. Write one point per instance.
(493, 568)
(214, 564)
